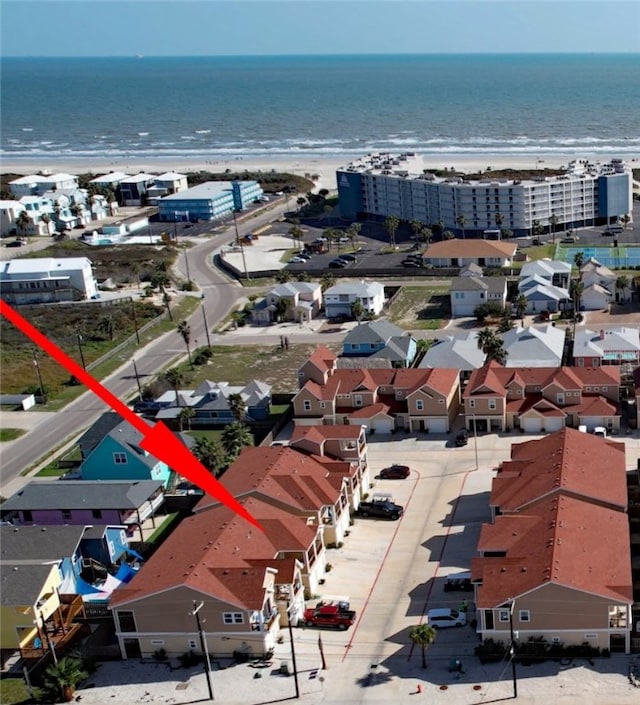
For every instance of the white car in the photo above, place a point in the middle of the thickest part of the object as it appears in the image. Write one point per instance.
(600, 431)
(443, 617)
(297, 260)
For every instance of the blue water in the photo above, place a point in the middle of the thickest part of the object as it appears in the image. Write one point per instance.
(212, 107)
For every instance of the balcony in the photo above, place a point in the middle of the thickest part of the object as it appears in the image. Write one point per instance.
(59, 632)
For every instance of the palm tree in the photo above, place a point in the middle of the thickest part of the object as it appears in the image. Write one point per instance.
(237, 406)
(536, 228)
(521, 306)
(447, 235)
(296, 233)
(553, 221)
(331, 235)
(186, 414)
(498, 219)
(235, 437)
(486, 338)
(22, 222)
(300, 201)
(185, 331)
(427, 235)
(491, 345)
(327, 281)
(357, 310)
(211, 454)
(174, 377)
(626, 219)
(578, 259)
(576, 288)
(391, 225)
(416, 226)
(46, 219)
(64, 676)
(160, 280)
(423, 636)
(353, 232)
(622, 284)
(461, 221)
(283, 276)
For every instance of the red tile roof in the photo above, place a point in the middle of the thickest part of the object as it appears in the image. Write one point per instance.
(318, 434)
(368, 412)
(568, 462)
(470, 248)
(205, 545)
(562, 540)
(323, 358)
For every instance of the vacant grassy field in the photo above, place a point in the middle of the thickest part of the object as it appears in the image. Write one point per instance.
(241, 364)
(420, 308)
(10, 434)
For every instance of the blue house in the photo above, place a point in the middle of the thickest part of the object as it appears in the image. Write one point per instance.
(111, 451)
(380, 339)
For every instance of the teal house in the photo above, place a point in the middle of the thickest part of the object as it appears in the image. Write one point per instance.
(111, 451)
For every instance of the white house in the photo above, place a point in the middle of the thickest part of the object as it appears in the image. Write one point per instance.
(458, 353)
(534, 347)
(111, 180)
(595, 273)
(595, 298)
(303, 302)
(553, 271)
(168, 183)
(47, 280)
(9, 212)
(339, 298)
(38, 184)
(468, 292)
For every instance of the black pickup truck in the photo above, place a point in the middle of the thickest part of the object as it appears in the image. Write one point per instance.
(384, 510)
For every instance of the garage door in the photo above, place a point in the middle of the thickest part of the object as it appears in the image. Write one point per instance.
(531, 425)
(382, 425)
(553, 424)
(437, 425)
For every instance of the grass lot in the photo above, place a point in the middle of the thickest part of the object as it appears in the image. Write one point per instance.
(420, 308)
(13, 691)
(240, 364)
(17, 374)
(10, 434)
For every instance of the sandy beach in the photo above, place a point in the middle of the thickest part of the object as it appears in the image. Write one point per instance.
(324, 168)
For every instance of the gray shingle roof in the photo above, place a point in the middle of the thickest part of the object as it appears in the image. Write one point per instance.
(38, 543)
(81, 494)
(21, 584)
(492, 284)
(372, 332)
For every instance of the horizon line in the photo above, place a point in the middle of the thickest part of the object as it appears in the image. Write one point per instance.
(140, 56)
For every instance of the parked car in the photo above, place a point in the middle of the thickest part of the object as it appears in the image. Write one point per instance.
(395, 472)
(340, 318)
(297, 260)
(411, 263)
(443, 617)
(16, 243)
(343, 239)
(458, 582)
(337, 264)
(348, 257)
(600, 431)
(462, 438)
(304, 255)
(383, 510)
(145, 407)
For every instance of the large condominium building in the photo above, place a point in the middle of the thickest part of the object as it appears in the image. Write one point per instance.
(382, 184)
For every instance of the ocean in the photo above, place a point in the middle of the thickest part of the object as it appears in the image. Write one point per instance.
(338, 106)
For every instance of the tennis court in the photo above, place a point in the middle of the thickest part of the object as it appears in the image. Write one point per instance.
(626, 257)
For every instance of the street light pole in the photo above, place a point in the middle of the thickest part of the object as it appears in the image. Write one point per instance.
(206, 325)
(186, 262)
(84, 367)
(203, 645)
(293, 652)
(135, 319)
(43, 396)
(475, 440)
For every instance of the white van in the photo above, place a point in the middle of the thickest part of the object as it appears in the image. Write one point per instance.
(443, 617)
(600, 431)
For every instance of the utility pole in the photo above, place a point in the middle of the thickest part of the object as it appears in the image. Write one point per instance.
(203, 645)
(293, 652)
(135, 319)
(206, 325)
(512, 649)
(36, 363)
(186, 262)
(84, 367)
(475, 440)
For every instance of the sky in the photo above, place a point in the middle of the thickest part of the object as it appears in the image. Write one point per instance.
(267, 27)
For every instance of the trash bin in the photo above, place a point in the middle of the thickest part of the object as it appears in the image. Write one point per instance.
(284, 668)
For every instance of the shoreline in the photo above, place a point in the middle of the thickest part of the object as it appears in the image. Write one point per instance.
(324, 167)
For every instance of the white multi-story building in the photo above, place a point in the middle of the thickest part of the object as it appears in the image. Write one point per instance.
(585, 194)
(47, 280)
(38, 184)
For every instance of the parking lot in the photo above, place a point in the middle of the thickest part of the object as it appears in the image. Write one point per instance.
(393, 571)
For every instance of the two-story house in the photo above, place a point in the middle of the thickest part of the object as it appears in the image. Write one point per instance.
(291, 301)
(339, 298)
(599, 286)
(560, 537)
(541, 399)
(469, 292)
(249, 583)
(460, 253)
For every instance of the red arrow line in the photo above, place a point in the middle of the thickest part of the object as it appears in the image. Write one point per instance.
(157, 440)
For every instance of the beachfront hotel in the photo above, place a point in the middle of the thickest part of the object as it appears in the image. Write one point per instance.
(209, 201)
(382, 184)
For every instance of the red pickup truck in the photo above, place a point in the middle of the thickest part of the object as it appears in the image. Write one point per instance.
(334, 614)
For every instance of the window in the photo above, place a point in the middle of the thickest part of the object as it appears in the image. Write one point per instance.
(472, 403)
(120, 458)
(126, 621)
(524, 615)
(357, 400)
(233, 617)
(66, 514)
(560, 397)
(306, 405)
(492, 404)
(503, 615)
(96, 513)
(192, 644)
(419, 405)
(27, 515)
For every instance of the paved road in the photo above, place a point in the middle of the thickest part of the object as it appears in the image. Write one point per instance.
(220, 295)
